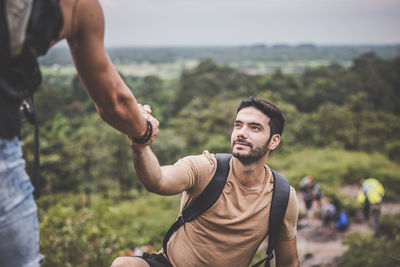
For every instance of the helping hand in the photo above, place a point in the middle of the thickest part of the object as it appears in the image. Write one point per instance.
(146, 112)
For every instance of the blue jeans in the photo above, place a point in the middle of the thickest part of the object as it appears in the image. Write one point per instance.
(19, 229)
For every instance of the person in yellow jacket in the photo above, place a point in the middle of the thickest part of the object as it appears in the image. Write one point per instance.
(370, 196)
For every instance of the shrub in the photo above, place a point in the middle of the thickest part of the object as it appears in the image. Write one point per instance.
(390, 226)
(73, 234)
(368, 250)
(333, 168)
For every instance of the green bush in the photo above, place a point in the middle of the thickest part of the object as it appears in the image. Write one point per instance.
(390, 226)
(333, 168)
(368, 250)
(393, 150)
(73, 234)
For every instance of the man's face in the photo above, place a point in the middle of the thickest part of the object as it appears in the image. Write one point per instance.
(250, 135)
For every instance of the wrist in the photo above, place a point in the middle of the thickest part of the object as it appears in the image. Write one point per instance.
(143, 139)
(137, 150)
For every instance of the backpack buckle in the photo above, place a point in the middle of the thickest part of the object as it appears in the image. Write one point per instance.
(28, 112)
(181, 220)
(270, 257)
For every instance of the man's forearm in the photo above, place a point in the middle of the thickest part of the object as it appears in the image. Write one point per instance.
(124, 115)
(147, 167)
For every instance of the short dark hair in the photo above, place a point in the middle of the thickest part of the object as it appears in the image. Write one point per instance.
(277, 119)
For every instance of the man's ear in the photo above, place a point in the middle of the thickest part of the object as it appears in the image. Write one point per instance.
(275, 140)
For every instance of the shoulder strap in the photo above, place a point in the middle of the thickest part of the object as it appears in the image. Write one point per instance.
(205, 200)
(280, 200)
(4, 35)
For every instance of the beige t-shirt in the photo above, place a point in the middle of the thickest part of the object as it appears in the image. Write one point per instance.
(230, 232)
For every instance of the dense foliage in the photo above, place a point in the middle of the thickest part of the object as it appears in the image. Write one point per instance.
(354, 109)
(367, 250)
(343, 125)
(76, 233)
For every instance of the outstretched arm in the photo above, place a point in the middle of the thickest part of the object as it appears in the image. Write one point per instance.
(165, 180)
(286, 253)
(84, 29)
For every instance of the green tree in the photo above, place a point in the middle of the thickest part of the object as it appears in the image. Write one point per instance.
(208, 80)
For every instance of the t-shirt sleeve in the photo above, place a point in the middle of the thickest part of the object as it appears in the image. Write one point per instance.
(199, 169)
(289, 226)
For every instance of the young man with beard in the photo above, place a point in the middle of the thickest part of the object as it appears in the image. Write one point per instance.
(230, 232)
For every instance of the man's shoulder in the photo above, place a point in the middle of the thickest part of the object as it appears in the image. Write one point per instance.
(200, 169)
(209, 157)
(204, 159)
(293, 193)
(293, 204)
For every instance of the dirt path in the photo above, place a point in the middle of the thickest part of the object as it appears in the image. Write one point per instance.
(316, 248)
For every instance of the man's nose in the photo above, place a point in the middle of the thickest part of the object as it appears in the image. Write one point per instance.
(243, 132)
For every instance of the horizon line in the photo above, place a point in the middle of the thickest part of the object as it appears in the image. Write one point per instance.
(255, 44)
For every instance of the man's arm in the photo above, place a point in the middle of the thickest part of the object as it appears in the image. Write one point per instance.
(84, 28)
(286, 253)
(286, 247)
(165, 180)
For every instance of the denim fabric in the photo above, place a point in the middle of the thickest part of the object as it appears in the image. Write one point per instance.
(19, 230)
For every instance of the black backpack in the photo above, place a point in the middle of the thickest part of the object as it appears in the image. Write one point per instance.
(20, 75)
(207, 198)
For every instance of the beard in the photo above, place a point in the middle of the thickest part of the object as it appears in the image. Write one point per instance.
(254, 154)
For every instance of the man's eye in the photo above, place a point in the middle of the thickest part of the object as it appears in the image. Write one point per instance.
(237, 125)
(255, 128)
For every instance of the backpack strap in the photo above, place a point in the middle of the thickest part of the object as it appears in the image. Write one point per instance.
(4, 34)
(279, 203)
(205, 200)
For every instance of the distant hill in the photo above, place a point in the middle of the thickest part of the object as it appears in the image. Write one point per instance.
(235, 55)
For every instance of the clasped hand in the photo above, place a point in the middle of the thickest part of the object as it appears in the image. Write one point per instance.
(146, 113)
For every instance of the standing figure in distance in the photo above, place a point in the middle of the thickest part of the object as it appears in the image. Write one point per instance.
(370, 196)
(310, 191)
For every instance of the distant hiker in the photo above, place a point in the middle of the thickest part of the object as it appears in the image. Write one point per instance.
(328, 211)
(310, 191)
(370, 197)
(336, 202)
(342, 221)
(27, 30)
(230, 232)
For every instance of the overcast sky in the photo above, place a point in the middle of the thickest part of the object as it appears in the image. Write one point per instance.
(246, 22)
